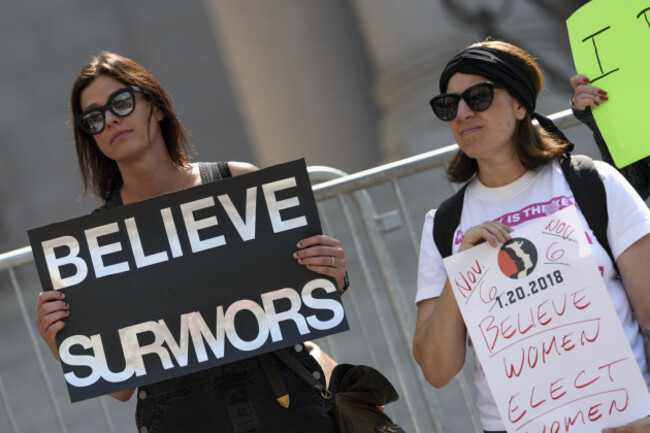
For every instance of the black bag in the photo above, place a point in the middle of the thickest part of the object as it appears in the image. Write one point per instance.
(355, 394)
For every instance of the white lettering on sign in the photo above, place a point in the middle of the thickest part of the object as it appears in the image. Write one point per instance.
(172, 353)
(275, 206)
(55, 263)
(97, 252)
(245, 225)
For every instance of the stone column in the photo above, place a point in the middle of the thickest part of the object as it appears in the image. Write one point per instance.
(410, 41)
(301, 77)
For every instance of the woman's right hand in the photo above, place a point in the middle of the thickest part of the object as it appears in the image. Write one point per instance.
(51, 309)
(585, 95)
(490, 231)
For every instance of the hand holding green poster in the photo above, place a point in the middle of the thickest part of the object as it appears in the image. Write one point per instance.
(609, 41)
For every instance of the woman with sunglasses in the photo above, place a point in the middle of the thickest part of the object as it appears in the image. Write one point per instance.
(489, 92)
(131, 146)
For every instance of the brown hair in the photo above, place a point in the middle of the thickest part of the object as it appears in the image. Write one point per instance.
(534, 146)
(99, 172)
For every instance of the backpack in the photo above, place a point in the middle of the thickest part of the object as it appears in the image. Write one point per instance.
(585, 184)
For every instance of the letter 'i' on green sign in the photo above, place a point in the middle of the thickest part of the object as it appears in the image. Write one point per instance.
(610, 40)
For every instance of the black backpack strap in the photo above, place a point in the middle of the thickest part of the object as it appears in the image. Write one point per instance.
(213, 171)
(589, 193)
(446, 220)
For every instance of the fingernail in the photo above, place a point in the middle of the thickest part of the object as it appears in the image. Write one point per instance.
(296, 254)
(61, 295)
(602, 92)
(300, 244)
(66, 304)
(585, 80)
(604, 98)
(597, 104)
(300, 260)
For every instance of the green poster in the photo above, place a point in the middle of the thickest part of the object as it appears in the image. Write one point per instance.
(610, 41)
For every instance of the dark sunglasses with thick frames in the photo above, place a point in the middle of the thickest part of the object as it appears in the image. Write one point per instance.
(121, 103)
(477, 97)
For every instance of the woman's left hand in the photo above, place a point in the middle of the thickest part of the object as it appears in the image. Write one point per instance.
(639, 426)
(584, 94)
(324, 255)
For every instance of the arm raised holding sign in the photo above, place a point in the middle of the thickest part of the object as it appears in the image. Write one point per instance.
(585, 98)
(439, 339)
(131, 146)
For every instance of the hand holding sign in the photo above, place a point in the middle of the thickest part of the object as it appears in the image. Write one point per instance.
(585, 95)
(51, 309)
(324, 255)
(489, 231)
(609, 41)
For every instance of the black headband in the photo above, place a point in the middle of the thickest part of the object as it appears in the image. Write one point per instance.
(503, 69)
(496, 66)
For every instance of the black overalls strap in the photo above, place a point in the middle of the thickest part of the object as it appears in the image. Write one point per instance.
(211, 172)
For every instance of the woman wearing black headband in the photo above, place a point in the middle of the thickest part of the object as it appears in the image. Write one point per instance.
(488, 95)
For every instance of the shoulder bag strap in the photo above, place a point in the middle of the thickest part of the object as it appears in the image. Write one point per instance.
(299, 369)
(274, 378)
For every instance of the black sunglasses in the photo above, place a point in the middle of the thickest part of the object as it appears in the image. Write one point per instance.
(121, 103)
(478, 98)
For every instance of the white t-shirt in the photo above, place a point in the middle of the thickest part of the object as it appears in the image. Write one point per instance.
(534, 195)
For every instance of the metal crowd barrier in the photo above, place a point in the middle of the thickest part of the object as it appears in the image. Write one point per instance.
(379, 305)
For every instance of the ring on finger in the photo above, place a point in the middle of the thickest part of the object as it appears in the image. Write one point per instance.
(333, 261)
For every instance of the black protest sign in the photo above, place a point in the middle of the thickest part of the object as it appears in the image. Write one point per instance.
(186, 281)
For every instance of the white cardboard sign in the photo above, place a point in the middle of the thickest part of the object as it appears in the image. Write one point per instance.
(545, 330)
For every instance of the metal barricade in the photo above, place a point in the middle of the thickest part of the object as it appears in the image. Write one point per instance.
(381, 253)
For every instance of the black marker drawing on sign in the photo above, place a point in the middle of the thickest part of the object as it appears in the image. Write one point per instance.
(644, 12)
(593, 40)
